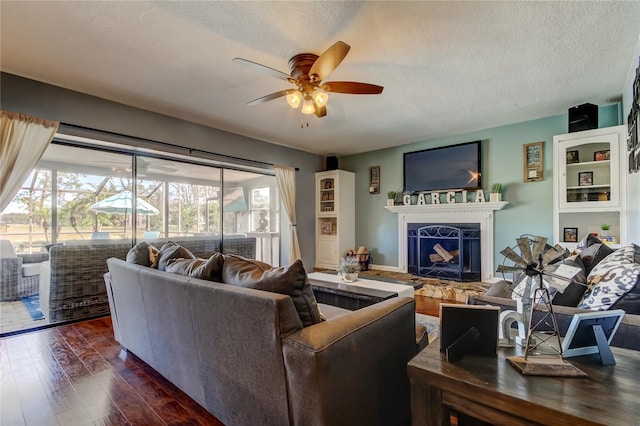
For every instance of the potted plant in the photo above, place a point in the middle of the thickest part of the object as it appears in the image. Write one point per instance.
(496, 193)
(348, 269)
(605, 229)
(391, 198)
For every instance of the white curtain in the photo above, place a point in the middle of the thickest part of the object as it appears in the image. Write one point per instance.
(23, 141)
(286, 179)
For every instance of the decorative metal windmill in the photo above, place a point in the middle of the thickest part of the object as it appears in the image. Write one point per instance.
(533, 265)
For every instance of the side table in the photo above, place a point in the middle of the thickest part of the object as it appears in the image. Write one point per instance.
(490, 390)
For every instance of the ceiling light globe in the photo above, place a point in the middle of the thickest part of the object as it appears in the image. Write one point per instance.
(320, 97)
(294, 99)
(307, 106)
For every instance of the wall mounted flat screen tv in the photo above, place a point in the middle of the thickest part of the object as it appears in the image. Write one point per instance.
(448, 167)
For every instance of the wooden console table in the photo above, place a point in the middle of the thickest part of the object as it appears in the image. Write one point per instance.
(484, 389)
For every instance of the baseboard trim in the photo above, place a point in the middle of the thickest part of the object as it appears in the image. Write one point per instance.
(386, 268)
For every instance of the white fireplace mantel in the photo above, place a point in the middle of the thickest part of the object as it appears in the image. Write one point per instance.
(481, 213)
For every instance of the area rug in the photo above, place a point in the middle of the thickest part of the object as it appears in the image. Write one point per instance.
(32, 303)
(432, 324)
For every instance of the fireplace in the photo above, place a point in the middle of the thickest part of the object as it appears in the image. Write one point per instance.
(448, 251)
(458, 213)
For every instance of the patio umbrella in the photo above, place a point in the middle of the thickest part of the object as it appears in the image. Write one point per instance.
(122, 203)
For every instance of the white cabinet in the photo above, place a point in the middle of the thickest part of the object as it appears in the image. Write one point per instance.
(589, 185)
(335, 216)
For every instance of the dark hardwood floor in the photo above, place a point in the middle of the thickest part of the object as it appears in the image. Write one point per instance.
(78, 375)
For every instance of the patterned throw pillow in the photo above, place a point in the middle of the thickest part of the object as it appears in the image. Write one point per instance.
(610, 280)
(154, 256)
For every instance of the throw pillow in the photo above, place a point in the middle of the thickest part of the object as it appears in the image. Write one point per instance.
(154, 256)
(291, 280)
(594, 254)
(611, 279)
(170, 251)
(141, 254)
(210, 269)
(577, 287)
(587, 241)
(183, 267)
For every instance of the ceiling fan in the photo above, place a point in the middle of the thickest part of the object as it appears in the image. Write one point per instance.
(308, 72)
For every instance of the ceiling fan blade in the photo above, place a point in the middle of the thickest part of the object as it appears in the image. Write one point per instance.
(263, 69)
(510, 254)
(509, 269)
(352, 87)
(329, 60)
(525, 249)
(539, 244)
(271, 97)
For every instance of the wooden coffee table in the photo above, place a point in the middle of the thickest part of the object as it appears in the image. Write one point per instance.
(328, 289)
(491, 390)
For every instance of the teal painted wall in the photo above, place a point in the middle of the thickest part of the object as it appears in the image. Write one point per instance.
(530, 209)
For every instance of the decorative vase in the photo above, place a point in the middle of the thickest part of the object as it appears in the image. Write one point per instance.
(390, 201)
(495, 197)
(348, 277)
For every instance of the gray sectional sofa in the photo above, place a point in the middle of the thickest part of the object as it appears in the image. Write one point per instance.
(74, 288)
(244, 355)
(591, 257)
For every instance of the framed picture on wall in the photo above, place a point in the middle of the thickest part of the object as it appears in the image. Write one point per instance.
(374, 180)
(570, 235)
(532, 161)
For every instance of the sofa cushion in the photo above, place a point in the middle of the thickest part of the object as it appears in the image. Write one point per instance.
(171, 251)
(611, 279)
(577, 287)
(141, 254)
(206, 269)
(594, 254)
(291, 280)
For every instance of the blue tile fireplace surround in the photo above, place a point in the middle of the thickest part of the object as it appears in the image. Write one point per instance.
(447, 251)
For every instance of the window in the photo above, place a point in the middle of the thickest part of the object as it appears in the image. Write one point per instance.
(81, 193)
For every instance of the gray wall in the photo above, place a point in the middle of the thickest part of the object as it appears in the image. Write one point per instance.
(633, 179)
(42, 100)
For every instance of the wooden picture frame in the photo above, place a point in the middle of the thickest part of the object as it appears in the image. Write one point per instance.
(573, 157)
(602, 155)
(570, 235)
(374, 180)
(585, 178)
(533, 162)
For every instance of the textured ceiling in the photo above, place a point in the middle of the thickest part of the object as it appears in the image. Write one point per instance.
(446, 67)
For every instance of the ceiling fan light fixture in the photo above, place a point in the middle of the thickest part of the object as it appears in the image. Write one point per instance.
(320, 97)
(307, 106)
(294, 99)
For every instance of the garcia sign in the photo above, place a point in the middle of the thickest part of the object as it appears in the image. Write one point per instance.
(449, 197)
